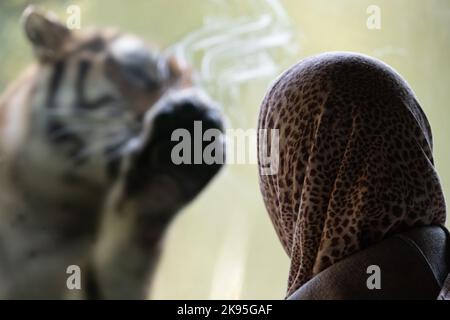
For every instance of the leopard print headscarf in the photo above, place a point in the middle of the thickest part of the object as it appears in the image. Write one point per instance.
(355, 160)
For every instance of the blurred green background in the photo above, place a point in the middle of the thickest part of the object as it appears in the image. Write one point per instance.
(223, 245)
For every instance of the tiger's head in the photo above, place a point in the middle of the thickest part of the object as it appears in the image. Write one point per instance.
(103, 98)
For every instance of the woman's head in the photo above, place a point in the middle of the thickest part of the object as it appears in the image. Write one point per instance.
(355, 160)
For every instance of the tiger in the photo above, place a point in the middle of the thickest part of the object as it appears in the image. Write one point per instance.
(86, 175)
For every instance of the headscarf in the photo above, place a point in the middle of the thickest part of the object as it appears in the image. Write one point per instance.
(355, 160)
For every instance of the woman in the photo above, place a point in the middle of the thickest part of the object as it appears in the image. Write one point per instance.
(356, 200)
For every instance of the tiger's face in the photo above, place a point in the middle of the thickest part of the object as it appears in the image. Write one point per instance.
(104, 98)
(98, 93)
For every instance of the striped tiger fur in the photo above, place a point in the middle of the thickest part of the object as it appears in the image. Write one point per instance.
(85, 174)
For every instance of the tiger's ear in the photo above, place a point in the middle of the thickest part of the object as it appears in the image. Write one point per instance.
(179, 70)
(45, 32)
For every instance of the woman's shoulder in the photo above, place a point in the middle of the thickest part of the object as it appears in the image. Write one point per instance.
(409, 265)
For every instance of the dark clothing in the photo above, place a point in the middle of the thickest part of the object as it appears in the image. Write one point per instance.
(413, 265)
